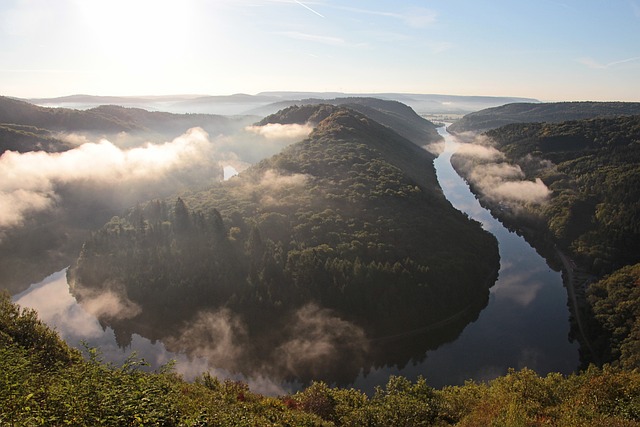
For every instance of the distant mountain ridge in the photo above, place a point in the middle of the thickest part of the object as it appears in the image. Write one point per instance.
(29, 127)
(393, 114)
(554, 112)
(249, 104)
(13, 111)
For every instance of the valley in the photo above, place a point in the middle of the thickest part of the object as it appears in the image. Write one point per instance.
(347, 252)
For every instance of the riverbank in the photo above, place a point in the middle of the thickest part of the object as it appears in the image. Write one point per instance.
(534, 231)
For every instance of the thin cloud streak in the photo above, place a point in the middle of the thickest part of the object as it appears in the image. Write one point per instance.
(417, 17)
(328, 40)
(592, 63)
(439, 47)
(310, 9)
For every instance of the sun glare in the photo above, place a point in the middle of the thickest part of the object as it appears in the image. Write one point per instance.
(137, 33)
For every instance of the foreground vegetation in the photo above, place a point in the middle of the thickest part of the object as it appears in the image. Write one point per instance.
(46, 383)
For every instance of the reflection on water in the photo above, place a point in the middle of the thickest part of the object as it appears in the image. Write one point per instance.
(60, 310)
(525, 324)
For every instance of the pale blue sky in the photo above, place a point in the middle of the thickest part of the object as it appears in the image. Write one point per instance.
(545, 49)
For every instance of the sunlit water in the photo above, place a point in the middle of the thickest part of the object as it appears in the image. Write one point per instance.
(525, 324)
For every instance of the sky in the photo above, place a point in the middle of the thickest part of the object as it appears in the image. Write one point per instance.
(551, 50)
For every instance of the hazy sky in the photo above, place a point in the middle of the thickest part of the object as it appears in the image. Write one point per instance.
(545, 49)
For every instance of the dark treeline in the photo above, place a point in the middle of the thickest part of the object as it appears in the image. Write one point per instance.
(350, 219)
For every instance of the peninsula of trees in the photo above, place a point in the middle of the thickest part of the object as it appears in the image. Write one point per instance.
(350, 220)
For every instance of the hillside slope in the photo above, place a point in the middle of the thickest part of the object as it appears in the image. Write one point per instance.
(13, 111)
(555, 112)
(393, 114)
(24, 138)
(113, 120)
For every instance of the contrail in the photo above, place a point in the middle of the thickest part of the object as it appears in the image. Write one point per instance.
(622, 61)
(308, 8)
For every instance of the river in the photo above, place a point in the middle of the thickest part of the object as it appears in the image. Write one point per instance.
(525, 324)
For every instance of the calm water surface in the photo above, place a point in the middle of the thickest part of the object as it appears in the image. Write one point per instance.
(525, 324)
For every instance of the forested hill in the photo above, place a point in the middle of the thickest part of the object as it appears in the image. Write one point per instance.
(23, 138)
(594, 177)
(345, 124)
(168, 124)
(28, 127)
(492, 118)
(13, 111)
(393, 114)
(350, 219)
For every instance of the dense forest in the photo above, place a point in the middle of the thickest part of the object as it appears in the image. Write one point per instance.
(23, 138)
(551, 112)
(594, 180)
(590, 168)
(47, 383)
(395, 115)
(349, 223)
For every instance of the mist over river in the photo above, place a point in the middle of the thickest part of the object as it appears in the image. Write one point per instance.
(525, 324)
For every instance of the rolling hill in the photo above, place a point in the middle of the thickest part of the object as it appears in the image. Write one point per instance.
(492, 118)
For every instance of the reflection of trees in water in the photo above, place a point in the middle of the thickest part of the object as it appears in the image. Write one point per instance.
(311, 343)
(250, 305)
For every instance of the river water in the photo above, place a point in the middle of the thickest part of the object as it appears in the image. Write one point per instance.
(525, 324)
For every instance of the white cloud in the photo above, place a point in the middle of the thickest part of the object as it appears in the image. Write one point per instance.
(294, 132)
(495, 178)
(28, 181)
(522, 191)
(318, 339)
(419, 17)
(479, 152)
